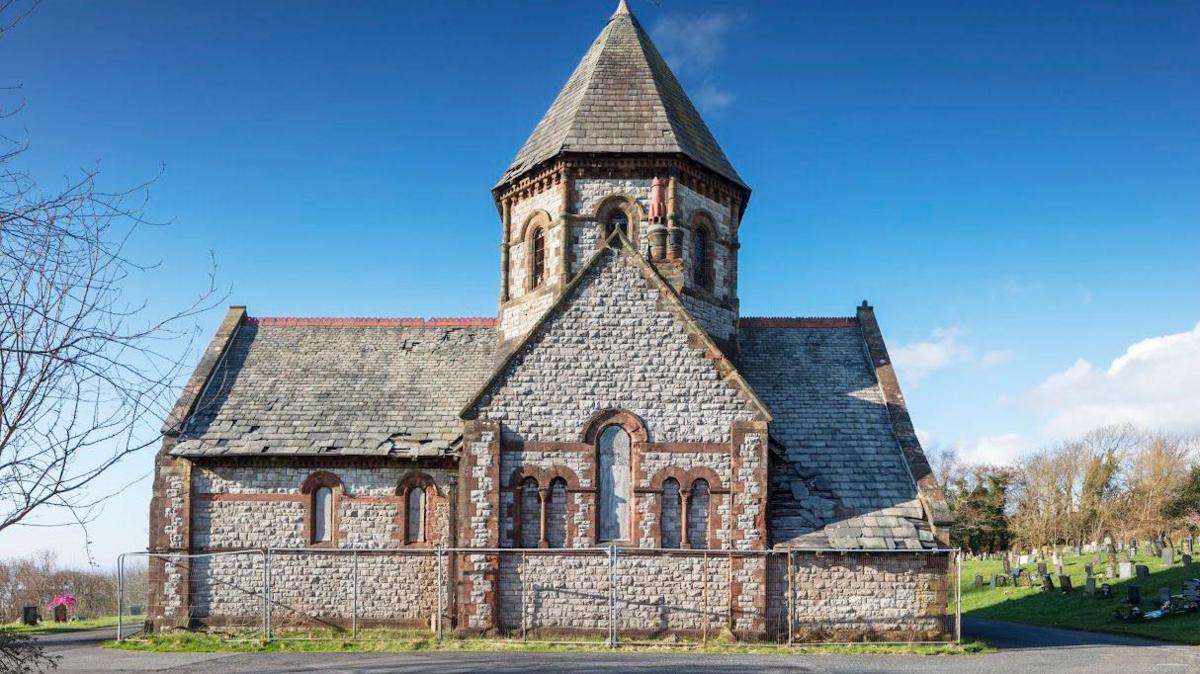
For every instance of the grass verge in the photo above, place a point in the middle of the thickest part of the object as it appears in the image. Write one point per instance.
(1077, 611)
(371, 641)
(46, 627)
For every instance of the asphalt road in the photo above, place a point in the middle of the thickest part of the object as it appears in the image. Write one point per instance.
(1023, 649)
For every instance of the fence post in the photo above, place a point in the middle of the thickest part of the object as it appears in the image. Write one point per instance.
(440, 558)
(791, 599)
(612, 596)
(121, 591)
(524, 589)
(267, 583)
(958, 596)
(354, 601)
(704, 628)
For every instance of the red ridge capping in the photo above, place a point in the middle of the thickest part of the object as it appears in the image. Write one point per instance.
(797, 322)
(358, 322)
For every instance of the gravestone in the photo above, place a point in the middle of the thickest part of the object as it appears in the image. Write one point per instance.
(1041, 568)
(1143, 571)
(1077, 550)
(1087, 569)
(1126, 570)
(1135, 595)
(1187, 560)
(1168, 556)
(29, 615)
(978, 582)
(1047, 583)
(1064, 583)
(992, 583)
(1058, 568)
(1106, 591)
(1089, 586)
(1110, 571)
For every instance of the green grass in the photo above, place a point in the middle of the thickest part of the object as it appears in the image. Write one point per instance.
(370, 641)
(1076, 611)
(50, 627)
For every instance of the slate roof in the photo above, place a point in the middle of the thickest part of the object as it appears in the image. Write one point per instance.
(838, 476)
(340, 387)
(622, 98)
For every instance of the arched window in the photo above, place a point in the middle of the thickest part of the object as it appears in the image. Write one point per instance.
(702, 253)
(614, 484)
(671, 517)
(697, 515)
(556, 516)
(531, 513)
(539, 258)
(616, 219)
(322, 515)
(414, 516)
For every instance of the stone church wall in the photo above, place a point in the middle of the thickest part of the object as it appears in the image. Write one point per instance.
(258, 505)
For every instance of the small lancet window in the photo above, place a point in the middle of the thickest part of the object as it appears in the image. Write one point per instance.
(697, 516)
(701, 259)
(672, 513)
(322, 515)
(539, 257)
(414, 524)
(531, 513)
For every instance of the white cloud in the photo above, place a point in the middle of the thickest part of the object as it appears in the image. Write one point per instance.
(1153, 385)
(943, 349)
(993, 449)
(995, 358)
(693, 45)
(711, 98)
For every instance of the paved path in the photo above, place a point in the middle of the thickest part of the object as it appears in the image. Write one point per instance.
(1024, 650)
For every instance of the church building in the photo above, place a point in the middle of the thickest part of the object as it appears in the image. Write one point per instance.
(759, 474)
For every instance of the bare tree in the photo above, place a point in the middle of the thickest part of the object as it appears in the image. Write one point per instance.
(86, 372)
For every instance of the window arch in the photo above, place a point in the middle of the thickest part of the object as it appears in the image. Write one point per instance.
(614, 483)
(538, 252)
(697, 515)
(414, 525)
(556, 515)
(702, 254)
(671, 533)
(321, 521)
(531, 513)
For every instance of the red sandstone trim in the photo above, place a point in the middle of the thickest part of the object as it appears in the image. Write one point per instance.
(358, 322)
(797, 322)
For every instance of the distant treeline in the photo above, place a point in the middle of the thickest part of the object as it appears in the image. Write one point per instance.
(36, 579)
(1117, 481)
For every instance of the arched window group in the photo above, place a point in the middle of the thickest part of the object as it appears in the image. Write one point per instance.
(684, 516)
(324, 489)
(541, 514)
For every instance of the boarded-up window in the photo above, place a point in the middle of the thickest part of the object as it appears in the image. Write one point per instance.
(556, 515)
(614, 484)
(698, 515)
(322, 514)
(414, 525)
(531, 514)
(671, 514)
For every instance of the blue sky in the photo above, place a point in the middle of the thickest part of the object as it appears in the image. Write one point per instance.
(1012, 185)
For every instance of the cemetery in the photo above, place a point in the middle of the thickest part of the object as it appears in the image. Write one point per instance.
(1144, 589)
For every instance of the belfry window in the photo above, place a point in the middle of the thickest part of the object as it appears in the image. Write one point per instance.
(539, 258)
(702, 275)
(614, 484)
(617, 219)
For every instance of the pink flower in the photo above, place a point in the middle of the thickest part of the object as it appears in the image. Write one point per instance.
(67, 600)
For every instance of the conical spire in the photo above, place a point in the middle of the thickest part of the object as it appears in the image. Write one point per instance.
(622, 99)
